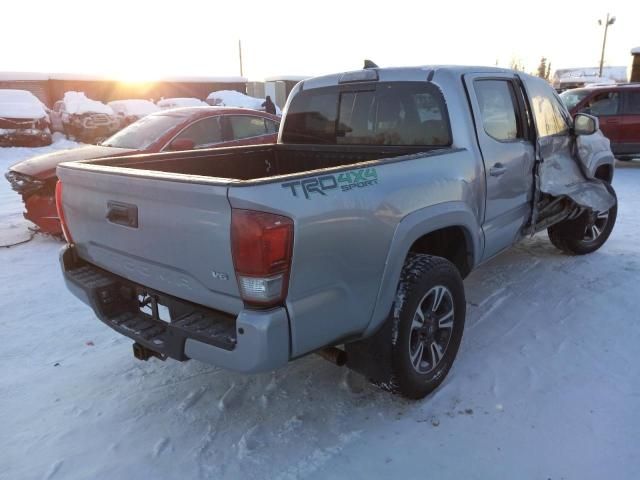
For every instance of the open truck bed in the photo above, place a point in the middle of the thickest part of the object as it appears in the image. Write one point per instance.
(260, 162)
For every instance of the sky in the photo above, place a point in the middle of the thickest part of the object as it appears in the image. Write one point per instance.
(139, 40)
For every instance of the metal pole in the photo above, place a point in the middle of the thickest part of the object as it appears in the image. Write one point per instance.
(604, 42)
(240, 52)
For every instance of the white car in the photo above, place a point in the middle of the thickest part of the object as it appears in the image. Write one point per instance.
(23, 119)
(167, 103)
(231, 98)
(132, 110)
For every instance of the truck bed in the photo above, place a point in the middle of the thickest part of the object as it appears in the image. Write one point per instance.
(255, 162)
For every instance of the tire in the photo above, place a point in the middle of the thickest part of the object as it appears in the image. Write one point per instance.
(585, 234)
(428, 321)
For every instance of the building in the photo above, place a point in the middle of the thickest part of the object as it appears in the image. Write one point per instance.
(36, 83)
(52, 87)
(279, 87)
(566, 78)
(634, 76)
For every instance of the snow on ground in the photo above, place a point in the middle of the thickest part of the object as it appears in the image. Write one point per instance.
(546, 383)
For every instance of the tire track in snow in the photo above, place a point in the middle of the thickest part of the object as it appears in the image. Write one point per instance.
(318, 458)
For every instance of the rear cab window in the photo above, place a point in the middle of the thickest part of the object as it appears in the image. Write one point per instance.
(385, 113)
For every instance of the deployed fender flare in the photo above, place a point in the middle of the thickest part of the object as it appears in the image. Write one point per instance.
(411, 228)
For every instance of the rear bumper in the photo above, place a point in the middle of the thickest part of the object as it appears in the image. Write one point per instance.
(255, 341)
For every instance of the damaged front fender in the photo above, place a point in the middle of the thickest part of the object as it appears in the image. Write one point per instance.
(593, 152)
(562, 175)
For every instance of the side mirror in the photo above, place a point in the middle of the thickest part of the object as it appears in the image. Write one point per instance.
(584, 124)
(182, 144)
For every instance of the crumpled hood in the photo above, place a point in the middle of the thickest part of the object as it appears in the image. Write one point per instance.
(44, 166)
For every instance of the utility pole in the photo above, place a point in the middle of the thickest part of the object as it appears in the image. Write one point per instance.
(609, 21)
(240, 53)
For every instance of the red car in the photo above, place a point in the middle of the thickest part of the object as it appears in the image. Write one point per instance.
(168, 130)
(618, 109)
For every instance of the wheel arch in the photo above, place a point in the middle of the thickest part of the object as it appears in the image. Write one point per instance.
(419, 232)
(604, 172)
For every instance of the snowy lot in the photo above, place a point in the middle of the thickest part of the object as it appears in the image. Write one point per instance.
(546, 383)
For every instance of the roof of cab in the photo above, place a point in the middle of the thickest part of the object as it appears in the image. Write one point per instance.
(419, 73)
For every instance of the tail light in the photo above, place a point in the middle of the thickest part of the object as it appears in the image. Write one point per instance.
(60, 209)
(262, 245)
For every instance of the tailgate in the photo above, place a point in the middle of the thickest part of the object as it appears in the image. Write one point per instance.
(169, 235)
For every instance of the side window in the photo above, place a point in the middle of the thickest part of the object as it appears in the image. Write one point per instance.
(548, 115)
(497, 102)
(633, 103)
(605, 103)
(203, 132)
(271, 126)
(245, 126)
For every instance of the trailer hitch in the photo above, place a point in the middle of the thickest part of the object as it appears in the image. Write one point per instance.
(143, 353)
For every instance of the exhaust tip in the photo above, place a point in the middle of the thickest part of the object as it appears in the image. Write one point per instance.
(334, 355)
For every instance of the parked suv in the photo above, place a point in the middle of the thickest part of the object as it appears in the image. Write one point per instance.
(618, 108)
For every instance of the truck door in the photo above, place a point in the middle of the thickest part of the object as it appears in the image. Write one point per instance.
(504, 137)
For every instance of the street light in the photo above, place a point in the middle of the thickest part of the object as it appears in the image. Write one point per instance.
(609, 21)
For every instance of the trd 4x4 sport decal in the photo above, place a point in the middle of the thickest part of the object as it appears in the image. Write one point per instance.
(343, 181)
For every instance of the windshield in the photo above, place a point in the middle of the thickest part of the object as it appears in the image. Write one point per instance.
(141, 134)
(571, 98)
(394, 113)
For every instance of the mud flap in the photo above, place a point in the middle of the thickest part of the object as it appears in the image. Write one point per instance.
(371, 357)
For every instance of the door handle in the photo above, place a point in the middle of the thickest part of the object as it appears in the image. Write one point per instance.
(497, 170)
(122, 214)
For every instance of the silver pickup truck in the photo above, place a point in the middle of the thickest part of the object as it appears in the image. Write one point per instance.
(350, 237)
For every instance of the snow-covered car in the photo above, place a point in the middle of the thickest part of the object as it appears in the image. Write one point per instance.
(170, 130)
(83, 119)
(131, 110)
(232, 98)
(23, 119)
(167, 103)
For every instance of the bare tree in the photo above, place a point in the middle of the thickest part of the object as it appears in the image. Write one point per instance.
(544, 68)
(516, 64)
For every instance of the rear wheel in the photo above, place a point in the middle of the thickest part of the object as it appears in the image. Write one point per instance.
(587, 233)
(428, 321)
